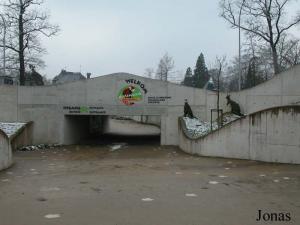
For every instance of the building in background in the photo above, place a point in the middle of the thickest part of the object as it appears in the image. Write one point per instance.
(32, 78)
(66, 77)
(6, 80)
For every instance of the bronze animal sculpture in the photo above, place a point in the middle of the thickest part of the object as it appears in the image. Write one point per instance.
(235, 107)
(188, 110)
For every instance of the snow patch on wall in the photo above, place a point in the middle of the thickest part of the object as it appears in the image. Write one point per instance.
(11, 128)
(198, 128)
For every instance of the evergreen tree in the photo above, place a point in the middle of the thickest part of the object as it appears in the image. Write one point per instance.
(189, 78)
(189, 72)
(252, 77)
(201, 72)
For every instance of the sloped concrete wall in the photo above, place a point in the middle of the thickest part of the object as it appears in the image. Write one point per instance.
(23, 137)
(5, 151)
(283, 89)
(272, 135)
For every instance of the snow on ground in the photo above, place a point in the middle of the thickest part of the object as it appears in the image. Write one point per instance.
(198, 128)
(38, 147)
(117, 146)
(11, 128)
(227, 118)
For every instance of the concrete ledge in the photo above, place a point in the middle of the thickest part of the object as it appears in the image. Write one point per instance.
(22, 137)
(5, 151)
(271, 135)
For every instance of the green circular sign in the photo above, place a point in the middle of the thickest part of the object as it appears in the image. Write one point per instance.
(130, 94)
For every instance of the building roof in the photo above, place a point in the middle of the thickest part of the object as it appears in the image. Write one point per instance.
(66, 76)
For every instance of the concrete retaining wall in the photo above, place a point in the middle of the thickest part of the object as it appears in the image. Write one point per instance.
(271, 135)
(23, 137)
(5, 151)
(283, 89)
(129, 127)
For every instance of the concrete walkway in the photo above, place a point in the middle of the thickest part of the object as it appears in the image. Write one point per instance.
(142, 185)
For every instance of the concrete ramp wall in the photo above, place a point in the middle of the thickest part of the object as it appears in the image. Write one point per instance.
(23, 137)
(272, 135)
(281, 90)
(5, 151)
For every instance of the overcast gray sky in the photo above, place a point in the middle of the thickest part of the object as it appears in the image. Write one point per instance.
(107, 36)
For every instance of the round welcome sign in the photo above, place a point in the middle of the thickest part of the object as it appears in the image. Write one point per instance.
(130, 94)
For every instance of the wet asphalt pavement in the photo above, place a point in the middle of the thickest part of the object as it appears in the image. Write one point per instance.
(143, 185)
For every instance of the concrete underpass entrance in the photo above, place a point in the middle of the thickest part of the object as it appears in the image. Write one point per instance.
(62, 113)
(105, 130)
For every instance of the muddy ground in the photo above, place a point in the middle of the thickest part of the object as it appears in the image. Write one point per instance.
(143, 185)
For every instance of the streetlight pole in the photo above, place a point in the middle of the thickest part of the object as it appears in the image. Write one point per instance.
(240, 70)
(4, 44)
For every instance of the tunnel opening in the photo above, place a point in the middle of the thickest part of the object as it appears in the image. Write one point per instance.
(108, 130)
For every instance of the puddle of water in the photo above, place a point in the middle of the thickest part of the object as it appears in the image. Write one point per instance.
(286, 178)
(5, 180)
(276, 181)
(178, 173)
(223, 176)
(52, 216)
(191, 195)
(48, 189)
(83, 182)
(213, 182)
(42, 199)
(147, 199)
(262, 175)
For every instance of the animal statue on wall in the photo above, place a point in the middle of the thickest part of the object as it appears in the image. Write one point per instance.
(235, 107)
(188, 110)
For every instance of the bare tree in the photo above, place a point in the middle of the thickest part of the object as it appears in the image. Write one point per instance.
(149, 72)
(263, 18)
(220, 63)
(26, 22)
(165, 66)
(289, 52)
